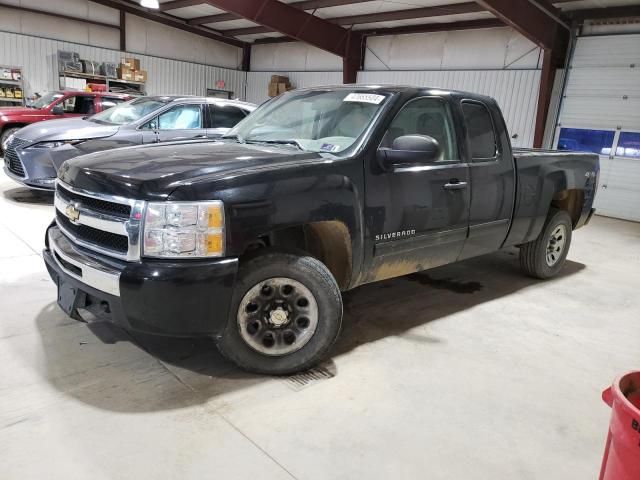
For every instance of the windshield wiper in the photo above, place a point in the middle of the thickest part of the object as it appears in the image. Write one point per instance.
(295, 143)
(235, 136)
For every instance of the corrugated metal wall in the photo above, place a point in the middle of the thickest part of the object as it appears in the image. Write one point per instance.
(258, 82)
(603, 93)
(38, 59)
(515, 90)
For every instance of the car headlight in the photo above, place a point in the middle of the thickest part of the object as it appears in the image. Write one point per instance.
(56, 143)
(184, 229)
(5, 144)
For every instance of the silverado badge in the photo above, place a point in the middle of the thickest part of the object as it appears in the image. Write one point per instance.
(72, 213)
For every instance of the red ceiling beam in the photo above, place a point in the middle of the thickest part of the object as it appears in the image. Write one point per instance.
(395, 15)
(604, 13)
(433, 27)
(303, 5)
(170, 21)
(179, 4)
(531, 21)
(294, 23)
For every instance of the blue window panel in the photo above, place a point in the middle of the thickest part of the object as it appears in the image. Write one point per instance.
(583, 140)
(629, 145)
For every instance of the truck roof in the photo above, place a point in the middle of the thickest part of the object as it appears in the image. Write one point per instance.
(395, 88)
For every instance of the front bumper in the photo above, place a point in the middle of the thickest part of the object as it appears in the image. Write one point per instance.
(188, 298)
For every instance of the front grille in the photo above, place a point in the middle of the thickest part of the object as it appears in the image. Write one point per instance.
(95, 204)
(11, 159)
(107, 240)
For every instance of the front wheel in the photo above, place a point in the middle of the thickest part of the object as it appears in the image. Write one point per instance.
(285, 314)
(545, 256)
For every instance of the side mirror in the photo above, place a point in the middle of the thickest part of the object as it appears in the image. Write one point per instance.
(410, 150)
(58, 109)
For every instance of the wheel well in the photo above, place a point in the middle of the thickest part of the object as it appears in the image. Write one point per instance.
(328, 241)
(570, 200)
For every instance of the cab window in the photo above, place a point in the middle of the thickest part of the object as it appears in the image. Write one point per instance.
(225, 116)
(78, 104)
(425, 116)
(181, 117)
(108, 102)
(482, 137)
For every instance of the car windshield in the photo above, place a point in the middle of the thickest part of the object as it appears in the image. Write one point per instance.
(317, 120)
(47, 99)
(128, 112)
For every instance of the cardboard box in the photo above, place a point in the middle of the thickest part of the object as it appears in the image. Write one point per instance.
(140, 75)
(283, 87)
(125, 73)
(273, 89)
(132, 63)
(8, 92)
(279, 79)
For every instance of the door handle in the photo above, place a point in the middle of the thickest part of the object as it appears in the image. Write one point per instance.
(455, 185)
(200, 136)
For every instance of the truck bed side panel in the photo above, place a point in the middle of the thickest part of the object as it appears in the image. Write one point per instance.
(542, 174)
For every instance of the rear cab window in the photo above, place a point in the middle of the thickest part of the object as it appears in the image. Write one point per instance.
(225, 116)
(480, 131)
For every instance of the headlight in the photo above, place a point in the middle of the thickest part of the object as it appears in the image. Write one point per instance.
(7, 141)
(56, 143)
(184, 229)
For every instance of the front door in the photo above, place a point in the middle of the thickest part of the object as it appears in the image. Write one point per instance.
(182, 122)
(417, 216)
(78, 105)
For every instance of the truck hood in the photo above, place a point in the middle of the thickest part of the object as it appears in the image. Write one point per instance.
(65, 129)
(153, 172)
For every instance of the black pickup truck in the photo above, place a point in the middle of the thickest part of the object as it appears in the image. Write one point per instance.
(252, 238)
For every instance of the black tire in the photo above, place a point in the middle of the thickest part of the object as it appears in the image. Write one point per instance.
(533, 255)
(314, 276)
(5, 134)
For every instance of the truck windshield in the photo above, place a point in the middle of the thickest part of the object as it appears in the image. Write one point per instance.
(128, 112)
(47, 99)
(318, 121)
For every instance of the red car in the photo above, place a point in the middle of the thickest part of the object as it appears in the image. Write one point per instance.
(58, 104)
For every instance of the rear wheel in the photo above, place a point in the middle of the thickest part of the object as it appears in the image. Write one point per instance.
(285, 315)
(6, 133)
(545, 256)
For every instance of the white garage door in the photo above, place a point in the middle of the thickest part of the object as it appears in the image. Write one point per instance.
(601, 113)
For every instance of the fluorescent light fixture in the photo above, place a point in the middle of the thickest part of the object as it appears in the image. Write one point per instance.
(150, 3)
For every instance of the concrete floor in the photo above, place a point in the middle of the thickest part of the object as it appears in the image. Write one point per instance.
(471, 371)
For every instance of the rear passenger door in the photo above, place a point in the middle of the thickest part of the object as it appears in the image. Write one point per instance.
(491, 169)
(180, 122)
(223, 118)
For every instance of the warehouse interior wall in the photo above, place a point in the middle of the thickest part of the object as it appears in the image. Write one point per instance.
(177, 62)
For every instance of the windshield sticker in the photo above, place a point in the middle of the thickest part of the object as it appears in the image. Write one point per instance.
(364, 97)
(330, 147)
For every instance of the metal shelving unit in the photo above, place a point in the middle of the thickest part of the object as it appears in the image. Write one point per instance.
(9, 83)
(113, 84)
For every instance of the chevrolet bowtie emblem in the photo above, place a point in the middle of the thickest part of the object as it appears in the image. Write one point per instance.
(72, 213)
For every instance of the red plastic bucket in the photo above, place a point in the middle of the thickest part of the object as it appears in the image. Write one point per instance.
(622, 453)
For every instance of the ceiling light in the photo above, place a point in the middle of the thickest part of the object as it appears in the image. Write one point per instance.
(150, 3)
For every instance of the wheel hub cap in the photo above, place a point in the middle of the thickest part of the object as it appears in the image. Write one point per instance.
(277, 316)
(555, 245)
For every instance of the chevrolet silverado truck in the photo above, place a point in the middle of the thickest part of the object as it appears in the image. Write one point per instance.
(251, 239)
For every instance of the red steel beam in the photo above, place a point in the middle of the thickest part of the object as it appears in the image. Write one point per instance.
(170, 21)
(295, 23)
(433, 27)
(303, 5)
(547, 77)
(527, 19)
(604, 13)
(411, 13)
(179, 4)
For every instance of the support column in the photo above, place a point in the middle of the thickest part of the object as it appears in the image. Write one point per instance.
(123, 31)
(544, 97)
